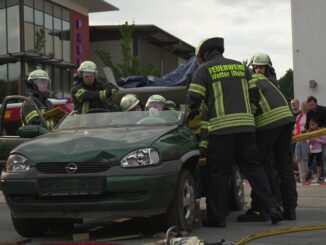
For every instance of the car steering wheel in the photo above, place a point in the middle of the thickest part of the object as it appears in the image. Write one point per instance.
(149, 120)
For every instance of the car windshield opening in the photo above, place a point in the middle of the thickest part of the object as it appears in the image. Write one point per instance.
(121, 119)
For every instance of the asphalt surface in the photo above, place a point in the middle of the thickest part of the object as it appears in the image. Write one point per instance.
(311, 211)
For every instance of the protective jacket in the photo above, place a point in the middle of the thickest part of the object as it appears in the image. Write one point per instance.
(203, 137)
(272, 109)
(29, 114)
(223, 84)
(90, 97)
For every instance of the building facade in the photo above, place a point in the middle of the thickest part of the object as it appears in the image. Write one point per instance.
(309, 50)
(51, 35)
(151, 44)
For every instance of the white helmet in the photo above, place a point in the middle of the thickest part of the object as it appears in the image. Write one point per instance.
(87, 66)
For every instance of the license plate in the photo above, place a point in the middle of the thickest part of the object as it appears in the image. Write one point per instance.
(70, 187)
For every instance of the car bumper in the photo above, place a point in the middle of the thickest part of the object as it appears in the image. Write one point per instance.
(124, 195)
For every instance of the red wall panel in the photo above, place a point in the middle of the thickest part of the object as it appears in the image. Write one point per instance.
(80, 37)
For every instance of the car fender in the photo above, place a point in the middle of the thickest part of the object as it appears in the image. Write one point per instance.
(190, 154)
(189, 160)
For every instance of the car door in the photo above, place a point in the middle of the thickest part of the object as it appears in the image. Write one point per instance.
(11, 125)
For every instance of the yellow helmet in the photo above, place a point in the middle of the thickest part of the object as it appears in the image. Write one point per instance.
(128, 102)
(171, 105)
(87, 66)
(156, 98)
(37, 77)
(38, 74)
(260, 59)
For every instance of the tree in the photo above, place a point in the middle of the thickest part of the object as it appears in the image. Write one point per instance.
(130, 64)
(286, 84)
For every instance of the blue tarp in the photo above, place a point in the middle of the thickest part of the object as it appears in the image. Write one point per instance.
(178, 77)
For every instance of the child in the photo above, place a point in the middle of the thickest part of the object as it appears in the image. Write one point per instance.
(302, 156)
(316, 148)
(302, 147)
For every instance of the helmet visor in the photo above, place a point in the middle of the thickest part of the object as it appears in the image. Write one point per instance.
(43, 84)
(87, 74)
(157, 105)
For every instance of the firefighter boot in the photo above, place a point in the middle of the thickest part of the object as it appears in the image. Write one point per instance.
(290, 214)
(276, 215)
(253, 215)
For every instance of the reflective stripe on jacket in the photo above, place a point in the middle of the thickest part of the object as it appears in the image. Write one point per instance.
(29, 114)
(273, 109)
(223, 85)
(86, 98)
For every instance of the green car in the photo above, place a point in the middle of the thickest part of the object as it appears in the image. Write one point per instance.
(103, 164)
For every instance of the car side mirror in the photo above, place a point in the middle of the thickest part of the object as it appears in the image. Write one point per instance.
(31, 131)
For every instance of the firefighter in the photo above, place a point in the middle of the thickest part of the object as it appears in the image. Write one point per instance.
(274, 123)
(171, 105)
(222, 84)
(263, 65)
(39, 84)
(130, 102)
(88, 93)
(156, 102)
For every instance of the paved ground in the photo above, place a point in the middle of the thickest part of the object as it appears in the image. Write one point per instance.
(311, 211)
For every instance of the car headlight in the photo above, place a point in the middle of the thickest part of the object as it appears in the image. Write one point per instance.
(140, 158)
(17, 163)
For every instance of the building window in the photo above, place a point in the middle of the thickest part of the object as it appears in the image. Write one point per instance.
(9, 79)
(13, 26)
(57, 88)
(12, 3)
(39, 32)
(49, 35)
(3, 81)
(66, 41)
(3, 32)
(29, 3)
(48, 8)
(47, 31)
(38, 4)
(29, 29)
(66, 82)
(57, 38)
(2, 4)
(13, 77)
(57, 11)
(66, 15)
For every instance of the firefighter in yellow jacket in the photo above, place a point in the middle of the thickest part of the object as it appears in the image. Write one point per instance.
(223, 85)
(274, 123)
(39, 84)
(89, 93)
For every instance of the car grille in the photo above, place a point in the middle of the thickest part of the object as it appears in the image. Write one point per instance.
(63, 168)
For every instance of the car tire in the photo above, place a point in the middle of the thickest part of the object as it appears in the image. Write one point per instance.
(236, 194)
(29, 227)
(181, 212)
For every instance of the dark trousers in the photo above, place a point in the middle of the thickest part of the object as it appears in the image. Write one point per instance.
(274, 150)
(221, 152)
(318, 157)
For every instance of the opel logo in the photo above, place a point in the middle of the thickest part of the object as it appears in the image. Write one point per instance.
(71, 168)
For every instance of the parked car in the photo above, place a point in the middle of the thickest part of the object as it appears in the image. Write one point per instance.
(104, 164)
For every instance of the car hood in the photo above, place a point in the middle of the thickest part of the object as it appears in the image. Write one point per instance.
(91, 145)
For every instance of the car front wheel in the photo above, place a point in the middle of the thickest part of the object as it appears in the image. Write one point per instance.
(181, 212)
(29, 227)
